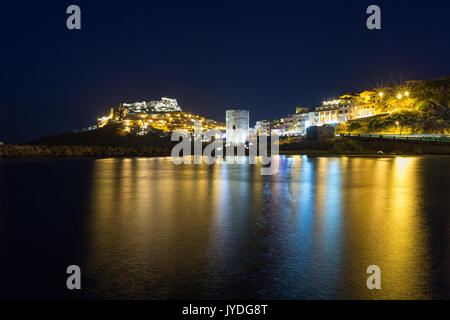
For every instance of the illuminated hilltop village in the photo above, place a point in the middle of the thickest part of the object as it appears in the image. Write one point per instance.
(164, 115)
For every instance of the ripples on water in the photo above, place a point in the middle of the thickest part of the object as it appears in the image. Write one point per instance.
(145, 228)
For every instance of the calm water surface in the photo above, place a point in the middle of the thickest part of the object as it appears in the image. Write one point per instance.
(145, 228)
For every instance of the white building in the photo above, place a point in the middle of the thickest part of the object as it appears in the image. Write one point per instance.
(263, 125)
(237, 124)
(163, 105)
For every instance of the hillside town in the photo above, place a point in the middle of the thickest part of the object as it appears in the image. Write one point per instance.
(344, 109)
(411, 107)
(163, 115)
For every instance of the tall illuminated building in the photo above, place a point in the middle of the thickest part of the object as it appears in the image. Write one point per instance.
(237, 126)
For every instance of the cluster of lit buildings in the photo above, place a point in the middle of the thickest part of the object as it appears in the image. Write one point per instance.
(346, 108)
(163, 115)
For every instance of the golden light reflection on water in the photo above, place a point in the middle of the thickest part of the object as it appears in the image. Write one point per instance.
(311, 230)
(405, 241)
(384, 215)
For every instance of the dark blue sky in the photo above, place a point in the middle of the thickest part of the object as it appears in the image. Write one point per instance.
(267, 56)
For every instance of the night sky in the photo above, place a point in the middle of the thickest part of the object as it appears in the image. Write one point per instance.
(268, 57)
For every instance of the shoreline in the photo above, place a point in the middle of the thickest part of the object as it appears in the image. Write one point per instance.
(312, 155)
(122, 154)
(355, 154)
(364, 149)
(57, 151)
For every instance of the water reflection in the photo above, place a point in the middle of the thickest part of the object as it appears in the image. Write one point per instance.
(157, 230)
(385, 227)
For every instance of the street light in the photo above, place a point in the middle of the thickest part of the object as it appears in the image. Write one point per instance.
(406, 93)
(380, 94)
(398, 127)
(399, 96)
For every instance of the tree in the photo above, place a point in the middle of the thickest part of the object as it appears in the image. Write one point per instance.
(354, 126)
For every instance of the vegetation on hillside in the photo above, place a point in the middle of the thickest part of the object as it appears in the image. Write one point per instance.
(424, 109)
(109, 135)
